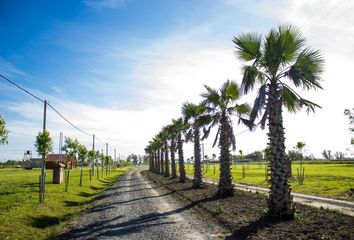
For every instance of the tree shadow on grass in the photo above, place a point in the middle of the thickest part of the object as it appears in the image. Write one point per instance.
(44, 221)
(76, 203)
(85, 194)
(96, 188)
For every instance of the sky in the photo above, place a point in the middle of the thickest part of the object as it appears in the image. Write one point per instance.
(121, 69)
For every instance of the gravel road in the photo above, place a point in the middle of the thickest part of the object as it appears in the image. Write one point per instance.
(136, 209)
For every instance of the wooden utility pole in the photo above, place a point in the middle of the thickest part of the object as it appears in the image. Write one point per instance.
(42, 182)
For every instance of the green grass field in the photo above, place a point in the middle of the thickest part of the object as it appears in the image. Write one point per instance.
(333, 180)
(22, 217)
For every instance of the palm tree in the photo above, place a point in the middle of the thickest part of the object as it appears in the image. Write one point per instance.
(161, 153)
(165, 137)
(220, 107)
(192, 115)
(279, 56)
(180, 129)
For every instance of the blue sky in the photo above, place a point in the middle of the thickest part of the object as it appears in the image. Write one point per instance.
(122, 68)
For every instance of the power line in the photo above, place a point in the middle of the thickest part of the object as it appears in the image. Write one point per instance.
(55, 110)
(74, 126)
(21, 88)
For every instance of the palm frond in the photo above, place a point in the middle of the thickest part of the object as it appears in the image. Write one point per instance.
(293, 102)
(306, 70)
(232, 90)
(242, 109)
(291, 41)
(259, 103)
(248, 46)
(250, 77)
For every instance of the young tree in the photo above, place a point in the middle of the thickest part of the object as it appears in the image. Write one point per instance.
(82, 157)
(70, 148)
(220, 106)
(92, 156)
(43, 145)
(279, 56)
(3, 132)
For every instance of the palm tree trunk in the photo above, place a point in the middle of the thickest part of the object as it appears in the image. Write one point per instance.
(158, 168)
(280, 200)
(162, 166)
(182, 170)
(197, 181)
(173, 161)
(167, 162)
(225, 187)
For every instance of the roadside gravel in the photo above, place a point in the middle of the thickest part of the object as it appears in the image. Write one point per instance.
(134, 208)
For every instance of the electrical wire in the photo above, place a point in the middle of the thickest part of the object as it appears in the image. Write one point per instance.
(73, 125)
(21, 88)
(54, 109)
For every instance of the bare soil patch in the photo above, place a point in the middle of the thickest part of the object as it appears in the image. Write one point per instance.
(244, 214)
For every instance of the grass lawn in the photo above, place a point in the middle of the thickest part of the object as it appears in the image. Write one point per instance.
(23, 217)
(333, 180)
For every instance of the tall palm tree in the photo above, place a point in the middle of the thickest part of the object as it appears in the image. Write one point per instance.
(165, 137)
(158, 147)
(172, 135)
(279, 56)
(220, 106)
(180, 129)
(192, 115)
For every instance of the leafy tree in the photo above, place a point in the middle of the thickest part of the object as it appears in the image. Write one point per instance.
(91, 158)
(82, 157)
(220, 106)
(350, 115)
(70, 148)
(43, 145)
(193, 116)
(3, 132)
(339, 155)
(279, 56)
(327, 154)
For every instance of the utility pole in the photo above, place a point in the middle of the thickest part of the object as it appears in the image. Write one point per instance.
(42, 182)
(106, 149)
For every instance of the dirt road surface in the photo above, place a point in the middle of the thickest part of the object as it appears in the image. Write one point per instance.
(135, 209)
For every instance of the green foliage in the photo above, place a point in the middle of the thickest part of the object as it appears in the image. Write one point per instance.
(22, 217)
(3, 132)
(322, 178)
(274, 58)
(44, 143)
(327, 154)
(82, 152)
(220, 105)
(133, 158)
(70, 147)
